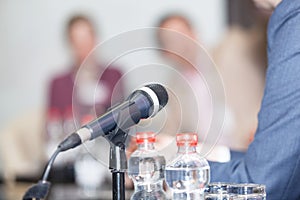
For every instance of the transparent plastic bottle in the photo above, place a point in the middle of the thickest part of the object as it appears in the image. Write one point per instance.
(146, 169)
(69, 122)
(68, 128)
(189, 173)
(54, 130)
(90, 174)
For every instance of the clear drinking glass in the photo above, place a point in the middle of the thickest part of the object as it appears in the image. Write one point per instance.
(247, 191)
(217, 191)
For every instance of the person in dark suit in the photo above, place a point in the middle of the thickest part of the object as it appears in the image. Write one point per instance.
(273, 158)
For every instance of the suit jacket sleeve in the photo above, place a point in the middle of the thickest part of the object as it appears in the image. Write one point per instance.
(273, 158)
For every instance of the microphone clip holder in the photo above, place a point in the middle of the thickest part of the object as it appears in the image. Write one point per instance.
(117, 158)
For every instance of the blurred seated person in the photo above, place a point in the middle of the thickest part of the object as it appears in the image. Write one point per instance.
(85, 91)
(191, 107)
(242, 60)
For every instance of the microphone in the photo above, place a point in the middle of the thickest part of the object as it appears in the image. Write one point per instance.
(143, 103)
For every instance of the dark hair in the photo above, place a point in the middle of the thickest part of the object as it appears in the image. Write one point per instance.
(242, 13)
(177, 16)
(79, 18)
(163, 20)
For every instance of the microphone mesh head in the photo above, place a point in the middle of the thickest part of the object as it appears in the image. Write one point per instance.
(160, 92)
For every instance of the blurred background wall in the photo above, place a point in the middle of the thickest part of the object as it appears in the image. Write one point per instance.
(33, 44)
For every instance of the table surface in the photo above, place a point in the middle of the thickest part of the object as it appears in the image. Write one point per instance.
(59, 191)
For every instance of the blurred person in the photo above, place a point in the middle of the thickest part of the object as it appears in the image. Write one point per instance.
(82, 38)
(241, 59)
(21, 144)
(190, 105)
(273, 158)
(85, 91)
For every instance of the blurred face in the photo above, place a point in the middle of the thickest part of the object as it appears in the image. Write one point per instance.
(82, 39)
(172, 41)
(267, 4)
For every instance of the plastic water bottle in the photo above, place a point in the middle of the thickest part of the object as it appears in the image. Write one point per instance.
(69, 122)
(90, 174)
(189, 173)
(146, 169)
(54, 130)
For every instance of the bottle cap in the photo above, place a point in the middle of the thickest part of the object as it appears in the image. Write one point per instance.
(54, 114)
(68, 114)
(86, 119)
(143, 137)
(187, 139)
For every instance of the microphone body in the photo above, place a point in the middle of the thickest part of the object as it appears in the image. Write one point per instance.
(141, 104)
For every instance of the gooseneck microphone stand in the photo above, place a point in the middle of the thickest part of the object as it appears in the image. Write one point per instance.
(117, 165)
(117, 158)
(41, 189)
